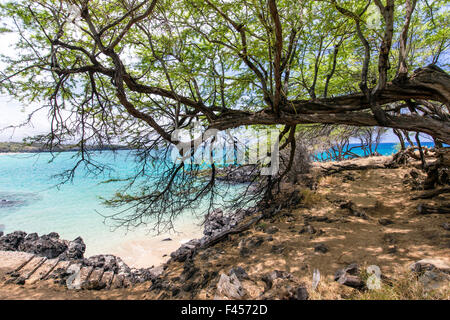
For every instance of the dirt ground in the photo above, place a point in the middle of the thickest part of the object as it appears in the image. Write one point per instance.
(49, 291)
(379, 193)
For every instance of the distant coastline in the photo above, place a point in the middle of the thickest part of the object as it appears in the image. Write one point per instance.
(19, 147)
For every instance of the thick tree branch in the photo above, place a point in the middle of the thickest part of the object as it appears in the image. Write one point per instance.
(403, 67)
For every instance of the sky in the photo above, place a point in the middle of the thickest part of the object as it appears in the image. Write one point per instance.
(13, 113)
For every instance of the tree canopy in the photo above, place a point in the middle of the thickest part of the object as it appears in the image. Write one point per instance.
(135, 71)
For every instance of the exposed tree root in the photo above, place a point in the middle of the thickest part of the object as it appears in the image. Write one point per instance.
(349, 167)
(428, 209)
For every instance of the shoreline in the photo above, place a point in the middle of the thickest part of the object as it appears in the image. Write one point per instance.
(56, 151)
(324, 227)
(151, 251)
(17, 147)
(138, 250)
(12, 153)
(142, 254)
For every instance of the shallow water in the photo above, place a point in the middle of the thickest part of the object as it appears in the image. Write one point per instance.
(30, 202)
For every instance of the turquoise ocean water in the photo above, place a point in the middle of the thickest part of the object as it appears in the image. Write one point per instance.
(35, 205)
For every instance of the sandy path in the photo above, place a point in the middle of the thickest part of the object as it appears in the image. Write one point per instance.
(380, 193)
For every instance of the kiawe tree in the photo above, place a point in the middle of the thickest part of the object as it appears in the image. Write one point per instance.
(134, 71)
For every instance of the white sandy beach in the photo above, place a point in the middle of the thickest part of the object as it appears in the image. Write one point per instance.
(148, 251)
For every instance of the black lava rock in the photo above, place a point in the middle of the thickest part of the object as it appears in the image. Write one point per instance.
(321, 248)
(385, 222)
(75, 250)
(12, 241)
(272, 230)
(301, 293)
(240, 273)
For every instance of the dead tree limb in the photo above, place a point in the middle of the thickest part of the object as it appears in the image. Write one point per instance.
(429, 209)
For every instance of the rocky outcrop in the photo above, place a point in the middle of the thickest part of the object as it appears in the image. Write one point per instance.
(75, 250)
(238, 174)
(63, 261)
(220, 224)
(51, 258)
(11, 242)
(186, 250)
(108, 263)
(350, 276)
(216, 223)
(49, 246)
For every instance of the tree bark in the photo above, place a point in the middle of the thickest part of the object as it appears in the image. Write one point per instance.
(431, 194)
(429, 83)
(429, 209)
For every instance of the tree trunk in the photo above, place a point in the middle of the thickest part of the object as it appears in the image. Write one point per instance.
(400, 139)
(422, 156)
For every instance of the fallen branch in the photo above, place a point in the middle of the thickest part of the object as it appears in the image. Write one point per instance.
(431, 194)
(219, 237)
(350, 167)
(427, 209)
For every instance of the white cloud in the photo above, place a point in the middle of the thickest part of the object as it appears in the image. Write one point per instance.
(13, 113)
